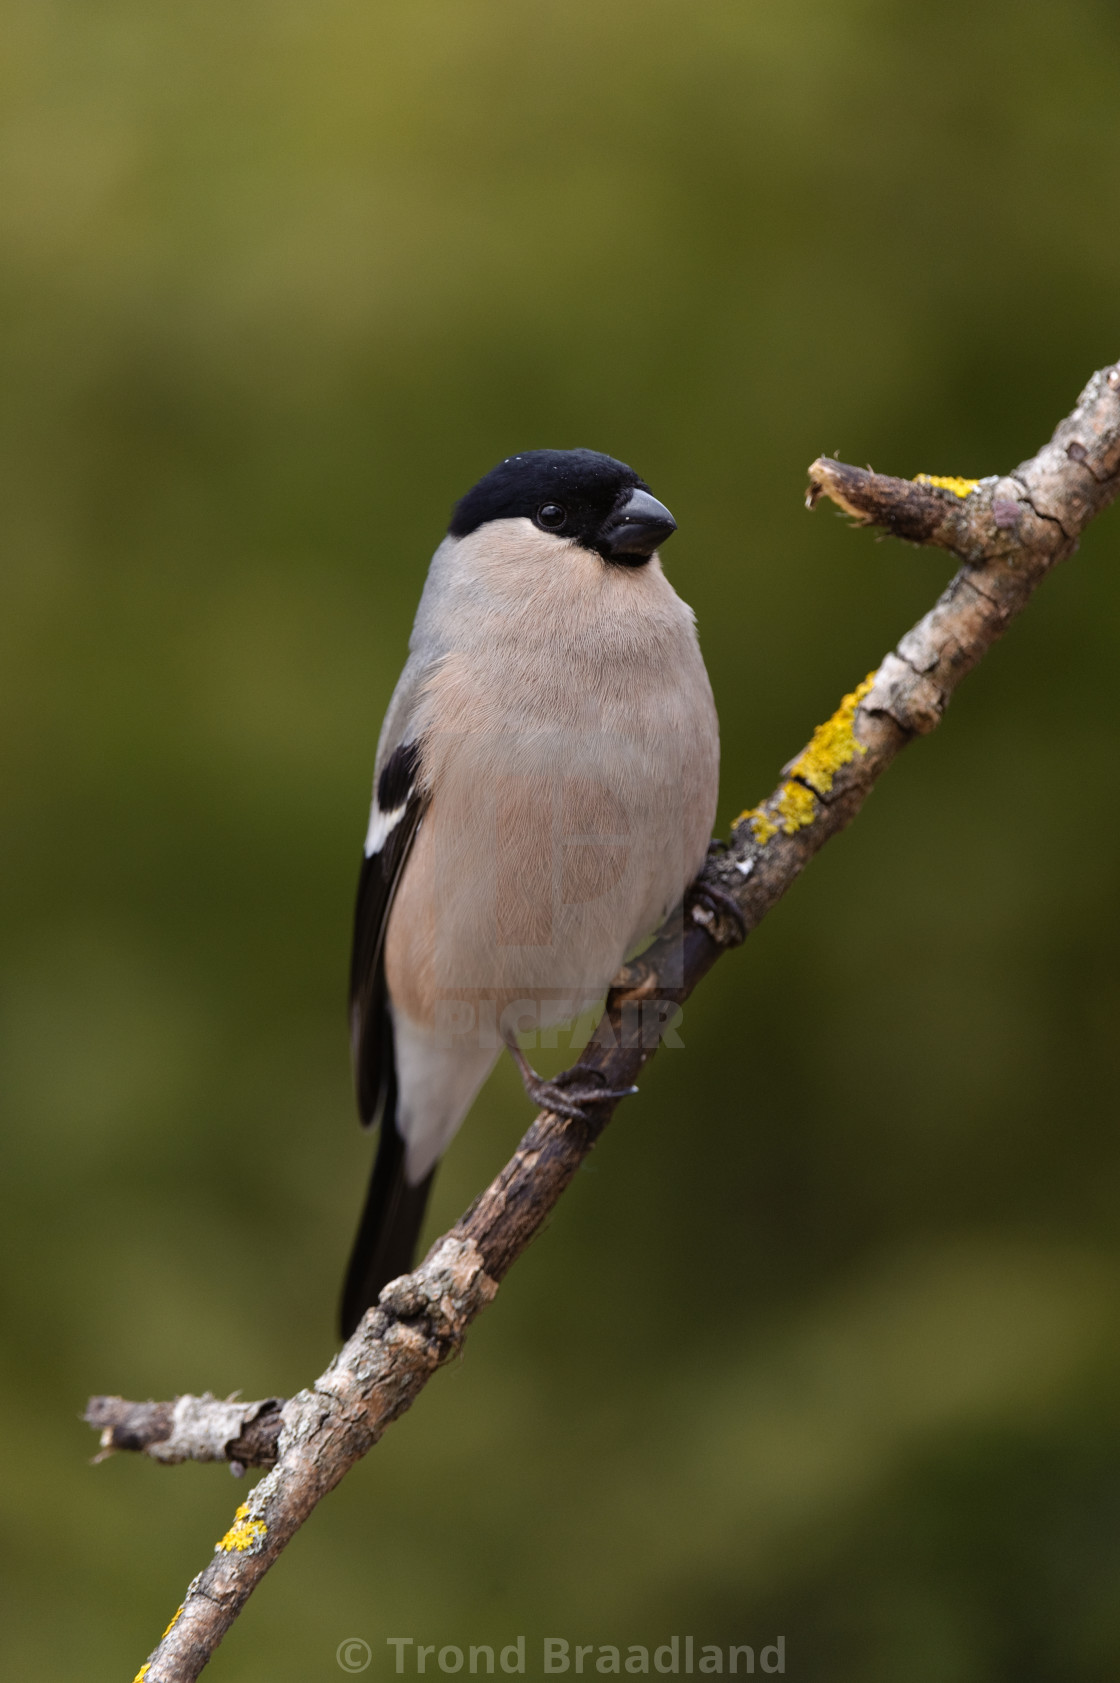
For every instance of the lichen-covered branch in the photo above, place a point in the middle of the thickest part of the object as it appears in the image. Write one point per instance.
(1008, 533)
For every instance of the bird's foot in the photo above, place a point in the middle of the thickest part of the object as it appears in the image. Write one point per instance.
(717, 911)
(574, 1093)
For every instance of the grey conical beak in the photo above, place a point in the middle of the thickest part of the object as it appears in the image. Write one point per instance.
(637, 528)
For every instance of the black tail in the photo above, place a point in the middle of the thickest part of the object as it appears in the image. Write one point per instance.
(390, 1227)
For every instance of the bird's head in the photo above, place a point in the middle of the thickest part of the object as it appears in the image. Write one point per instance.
(579, 496)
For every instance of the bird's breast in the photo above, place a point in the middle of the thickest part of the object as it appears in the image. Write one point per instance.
(570, 805)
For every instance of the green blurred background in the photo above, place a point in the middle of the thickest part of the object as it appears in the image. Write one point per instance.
(824, 1341)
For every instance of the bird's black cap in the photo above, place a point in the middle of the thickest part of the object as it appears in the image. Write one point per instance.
(577, 494)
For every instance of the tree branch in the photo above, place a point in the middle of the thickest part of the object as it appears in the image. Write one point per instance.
(1008, 533)
(189, 1429)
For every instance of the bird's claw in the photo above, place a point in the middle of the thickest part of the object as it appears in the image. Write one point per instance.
(572, 1094)
(717, 911)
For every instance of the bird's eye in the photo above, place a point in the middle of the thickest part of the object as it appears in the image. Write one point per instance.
(551, 516)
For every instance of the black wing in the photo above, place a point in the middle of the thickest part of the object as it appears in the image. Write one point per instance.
(398, 808)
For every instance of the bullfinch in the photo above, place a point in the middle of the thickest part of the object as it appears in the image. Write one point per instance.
(544, 793)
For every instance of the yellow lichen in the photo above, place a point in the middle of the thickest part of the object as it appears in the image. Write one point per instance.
(243, 1534)
(948, 482)
(147, 1666)
(833, 744)
(762, 826)
(796, 807)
